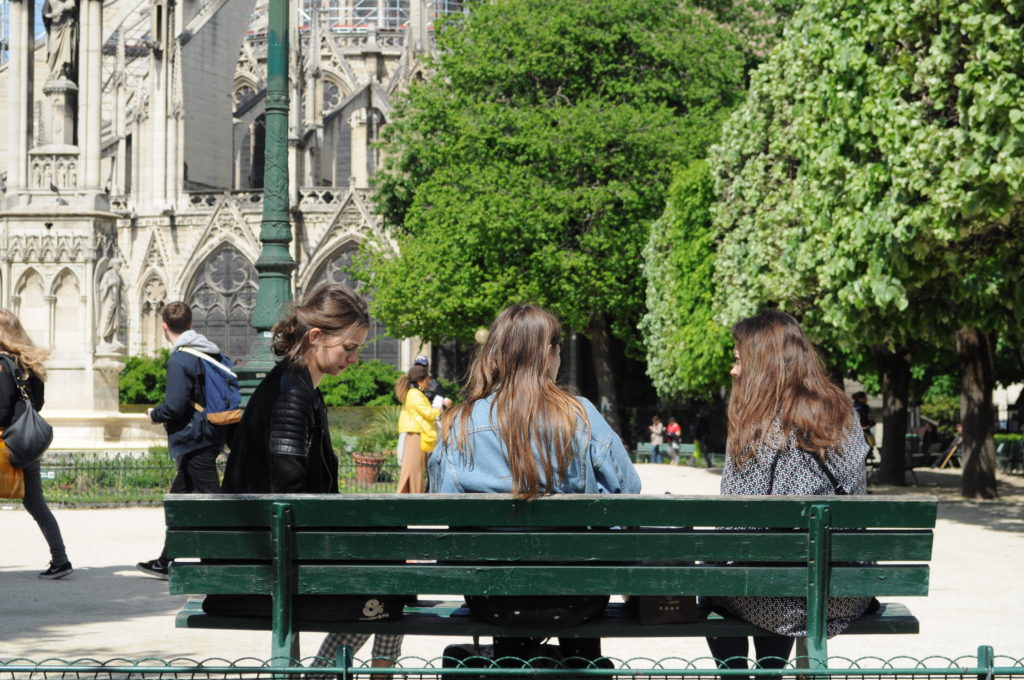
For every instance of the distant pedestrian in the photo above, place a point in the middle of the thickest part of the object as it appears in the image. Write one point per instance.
(192, 443)
(701, 432)
(28, 358)
(673, 435)
(417, 427)
(433, 391)
(657, 431)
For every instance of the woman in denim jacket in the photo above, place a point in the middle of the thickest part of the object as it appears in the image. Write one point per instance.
(519, 433)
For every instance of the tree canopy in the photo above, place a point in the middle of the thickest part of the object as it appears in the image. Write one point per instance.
(530, 166)
(871, 182)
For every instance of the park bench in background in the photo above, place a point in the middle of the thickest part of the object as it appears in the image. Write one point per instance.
(642, 453)
(805, 546)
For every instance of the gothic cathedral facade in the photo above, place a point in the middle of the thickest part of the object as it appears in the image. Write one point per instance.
(132, 166)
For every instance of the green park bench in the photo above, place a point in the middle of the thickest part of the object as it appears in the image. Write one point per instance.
(803, 546)
(642, 453)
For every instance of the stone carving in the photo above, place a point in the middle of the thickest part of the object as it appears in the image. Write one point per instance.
(109, 297)
(60, 17)
(46, 248)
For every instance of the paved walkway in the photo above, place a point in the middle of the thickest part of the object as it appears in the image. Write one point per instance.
(106, 609)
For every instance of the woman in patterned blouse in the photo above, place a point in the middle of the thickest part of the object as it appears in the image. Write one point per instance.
(788, 423)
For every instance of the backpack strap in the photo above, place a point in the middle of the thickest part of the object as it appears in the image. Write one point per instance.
(206, 357)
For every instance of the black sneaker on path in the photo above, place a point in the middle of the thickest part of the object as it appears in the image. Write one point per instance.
(56, 571)
(154, 568)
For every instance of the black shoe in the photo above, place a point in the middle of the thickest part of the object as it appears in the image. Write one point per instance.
(154, 568)
(56, 571)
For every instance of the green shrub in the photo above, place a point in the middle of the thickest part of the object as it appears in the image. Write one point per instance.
(143, 379)
(382, 434)
(941, 403)
(367, 383)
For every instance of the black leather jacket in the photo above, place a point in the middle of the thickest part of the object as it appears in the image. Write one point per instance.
(283, 444)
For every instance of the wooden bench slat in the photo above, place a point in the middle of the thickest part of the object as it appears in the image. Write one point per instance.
(550, 580)
(617, 546)
(470, 510)
(443, 619)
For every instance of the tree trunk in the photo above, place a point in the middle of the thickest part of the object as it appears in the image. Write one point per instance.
(894, 368)
(978, 452)
(600, 346)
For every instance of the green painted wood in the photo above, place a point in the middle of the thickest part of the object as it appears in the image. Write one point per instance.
(550, 580)
(818, 572)
(440, 619)
(564, 510)
(582, 546)
(285, 640)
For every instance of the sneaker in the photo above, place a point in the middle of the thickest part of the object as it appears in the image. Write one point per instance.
(56, 571)
(154, 568)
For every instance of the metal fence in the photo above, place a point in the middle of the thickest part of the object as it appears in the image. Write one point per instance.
(143, 477)
(985, 666)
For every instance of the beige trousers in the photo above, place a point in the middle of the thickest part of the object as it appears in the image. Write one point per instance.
(414, 463)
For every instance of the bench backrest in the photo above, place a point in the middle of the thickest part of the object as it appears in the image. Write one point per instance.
(810, 546)
(359, 544)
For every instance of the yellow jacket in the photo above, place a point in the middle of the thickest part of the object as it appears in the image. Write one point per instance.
(418, 417)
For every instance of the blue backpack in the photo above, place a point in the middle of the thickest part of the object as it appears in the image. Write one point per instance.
(220, 387)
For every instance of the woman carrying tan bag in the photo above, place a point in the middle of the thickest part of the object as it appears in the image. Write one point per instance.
(15, 343)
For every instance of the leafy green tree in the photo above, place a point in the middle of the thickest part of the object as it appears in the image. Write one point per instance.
(871, 184)
(688, 351)
(531, 165)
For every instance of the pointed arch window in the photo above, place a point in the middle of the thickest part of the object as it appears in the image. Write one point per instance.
(222, 297)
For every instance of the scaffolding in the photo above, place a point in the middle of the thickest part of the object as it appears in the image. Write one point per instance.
(358, 16)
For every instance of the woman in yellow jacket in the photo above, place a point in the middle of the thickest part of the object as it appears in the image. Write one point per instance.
(418, 422)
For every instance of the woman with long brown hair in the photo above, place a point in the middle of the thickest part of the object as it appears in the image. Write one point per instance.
(284, 443)
(792, 431)
(518, 432)
(27, 359)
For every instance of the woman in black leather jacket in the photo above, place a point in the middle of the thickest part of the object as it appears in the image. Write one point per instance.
(283, 444)
(15, 343)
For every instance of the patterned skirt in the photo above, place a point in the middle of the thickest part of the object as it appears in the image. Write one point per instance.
(788, 615)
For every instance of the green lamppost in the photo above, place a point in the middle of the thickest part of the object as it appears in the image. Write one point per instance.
(275, 264)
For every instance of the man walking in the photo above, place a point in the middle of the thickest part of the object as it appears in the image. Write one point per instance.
(193, 444)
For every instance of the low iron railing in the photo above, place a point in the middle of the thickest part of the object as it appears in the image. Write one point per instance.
(985, 666)
(141, 478)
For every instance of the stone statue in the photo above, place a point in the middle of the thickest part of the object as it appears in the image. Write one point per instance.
(60, 17)
(109, 321)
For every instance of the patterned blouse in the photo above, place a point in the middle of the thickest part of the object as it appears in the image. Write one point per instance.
(796, 473)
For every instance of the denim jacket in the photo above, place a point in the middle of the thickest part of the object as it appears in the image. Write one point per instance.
(601, 465)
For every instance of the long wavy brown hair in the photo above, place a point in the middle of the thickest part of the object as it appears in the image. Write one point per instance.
(531, 410)
(782, 378)
(334, 308)
(15, 341)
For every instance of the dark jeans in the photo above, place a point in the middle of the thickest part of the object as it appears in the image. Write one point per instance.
(732, 651)
(197, 473)
(36, 506)
(656, 453)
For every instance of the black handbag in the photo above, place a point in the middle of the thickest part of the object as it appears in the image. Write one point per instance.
(29, 435)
